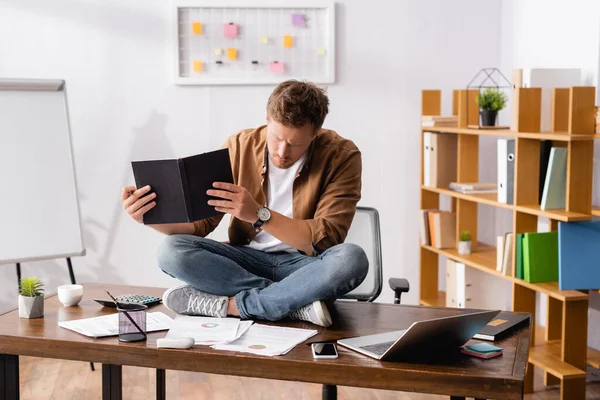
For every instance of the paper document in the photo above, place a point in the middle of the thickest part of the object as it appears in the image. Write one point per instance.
(268, 340)
(204, 330)
(108, 325)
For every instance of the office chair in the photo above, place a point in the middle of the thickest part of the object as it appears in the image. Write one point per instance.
(366, 233)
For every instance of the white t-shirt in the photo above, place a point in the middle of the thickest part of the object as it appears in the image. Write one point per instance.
(279, 198)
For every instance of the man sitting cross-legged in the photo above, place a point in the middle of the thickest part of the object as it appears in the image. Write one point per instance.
(294, 198)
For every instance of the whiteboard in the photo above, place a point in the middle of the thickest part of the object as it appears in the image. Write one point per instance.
(269, 41)
(39, 210)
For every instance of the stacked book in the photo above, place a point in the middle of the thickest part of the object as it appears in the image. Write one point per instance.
(536, 256)
(473, 187)
(428, 121)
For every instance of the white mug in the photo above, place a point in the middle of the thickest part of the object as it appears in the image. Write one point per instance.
(70, 295)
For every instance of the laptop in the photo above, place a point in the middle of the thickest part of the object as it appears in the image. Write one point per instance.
(422, 337)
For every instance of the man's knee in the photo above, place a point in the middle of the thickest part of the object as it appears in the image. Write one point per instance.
(170, 252)
(353, 259)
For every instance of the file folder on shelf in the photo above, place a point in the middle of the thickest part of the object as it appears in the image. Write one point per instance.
(540, 257)
(506, 170)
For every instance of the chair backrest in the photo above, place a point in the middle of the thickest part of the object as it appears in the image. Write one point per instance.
(366, 233)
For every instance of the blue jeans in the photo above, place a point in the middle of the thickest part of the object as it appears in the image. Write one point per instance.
(266, 286)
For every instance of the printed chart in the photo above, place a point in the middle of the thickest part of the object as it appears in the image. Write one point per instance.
(219, 43)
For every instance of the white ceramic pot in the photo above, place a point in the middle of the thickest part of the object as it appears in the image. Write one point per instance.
(464, 247)
(70, 295)
(31, 307)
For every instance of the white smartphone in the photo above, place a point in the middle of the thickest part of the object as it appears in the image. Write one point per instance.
(324, 350)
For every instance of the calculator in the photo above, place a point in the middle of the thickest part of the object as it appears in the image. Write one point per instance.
(131, 299)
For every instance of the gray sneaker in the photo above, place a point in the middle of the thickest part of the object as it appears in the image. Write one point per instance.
(187, 300)
(316, 313)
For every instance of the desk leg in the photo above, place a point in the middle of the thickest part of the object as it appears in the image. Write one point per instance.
(9, 377)
(161, 386)
(329, 392)
(112, 385)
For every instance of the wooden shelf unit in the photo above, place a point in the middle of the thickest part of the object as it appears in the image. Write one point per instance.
(557, 136)
(561, 350)
(491, 199)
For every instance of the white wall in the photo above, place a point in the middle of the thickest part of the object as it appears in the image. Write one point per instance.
(554, 34)
(114, 57)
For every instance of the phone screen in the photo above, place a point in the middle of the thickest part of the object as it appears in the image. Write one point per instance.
(324, 349)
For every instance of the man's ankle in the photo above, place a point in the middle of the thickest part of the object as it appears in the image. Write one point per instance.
(232, 308)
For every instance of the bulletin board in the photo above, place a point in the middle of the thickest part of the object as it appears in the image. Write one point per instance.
(253, 41)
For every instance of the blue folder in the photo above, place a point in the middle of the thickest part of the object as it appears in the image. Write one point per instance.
(579, 255)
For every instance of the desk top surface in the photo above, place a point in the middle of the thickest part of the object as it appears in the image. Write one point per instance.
(457, 374)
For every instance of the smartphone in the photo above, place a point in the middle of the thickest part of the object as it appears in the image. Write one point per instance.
(324, 350)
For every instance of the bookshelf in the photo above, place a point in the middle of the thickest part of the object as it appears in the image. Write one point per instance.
(560, 349)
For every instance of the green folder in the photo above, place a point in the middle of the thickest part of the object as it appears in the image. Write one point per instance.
(540, 257)
(519, 260)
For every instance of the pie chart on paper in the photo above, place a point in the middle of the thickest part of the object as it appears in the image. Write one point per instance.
(257, 347)
(209, 325)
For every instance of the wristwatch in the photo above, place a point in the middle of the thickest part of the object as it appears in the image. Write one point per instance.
(263, 214)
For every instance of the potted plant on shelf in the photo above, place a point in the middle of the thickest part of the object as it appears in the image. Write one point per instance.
(490, 102)
(464, 244)
(31, 298)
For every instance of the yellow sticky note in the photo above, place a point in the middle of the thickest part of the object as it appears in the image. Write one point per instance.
(288, 41)
(321, 52)
(197, 28)
(231, 53)
(197, 65)
(497, 322)
(264, 39)
(218, 51)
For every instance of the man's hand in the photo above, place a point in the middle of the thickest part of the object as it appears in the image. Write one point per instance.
(135, 204)
(237, 201)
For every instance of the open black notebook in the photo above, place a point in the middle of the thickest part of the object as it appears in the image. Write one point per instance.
(181, 184)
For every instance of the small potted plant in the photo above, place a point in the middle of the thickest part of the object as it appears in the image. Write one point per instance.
(31, 298)
(490, 102)
(464, 244)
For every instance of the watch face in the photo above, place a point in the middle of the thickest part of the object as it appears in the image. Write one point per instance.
(264, 214)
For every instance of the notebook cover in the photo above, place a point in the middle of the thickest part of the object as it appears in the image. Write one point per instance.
(540, 257)
(579, 255)
(202, 171)
(500, 326)
(164, 180)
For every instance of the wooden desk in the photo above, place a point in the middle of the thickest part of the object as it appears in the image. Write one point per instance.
(459, 375)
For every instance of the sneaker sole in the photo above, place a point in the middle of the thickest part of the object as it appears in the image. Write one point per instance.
(323, 313)
(167, 293)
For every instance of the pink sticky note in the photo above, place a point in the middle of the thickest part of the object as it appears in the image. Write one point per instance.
(276, 67)
(298, 20)
(230, 31)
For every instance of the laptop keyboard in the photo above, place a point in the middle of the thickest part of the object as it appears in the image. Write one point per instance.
(379, 348)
